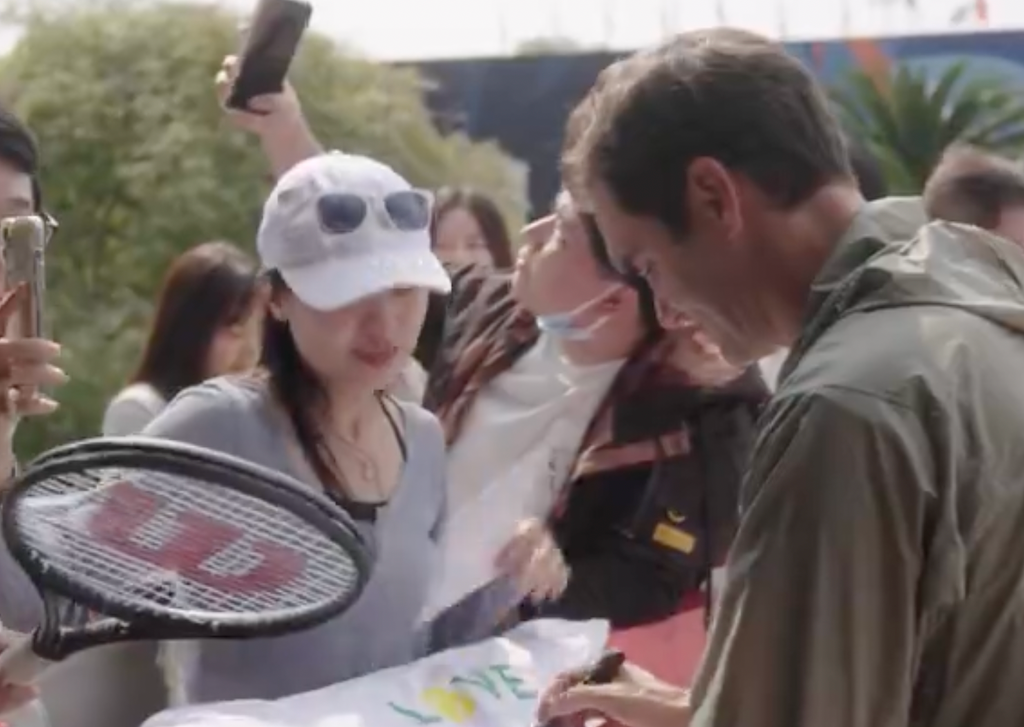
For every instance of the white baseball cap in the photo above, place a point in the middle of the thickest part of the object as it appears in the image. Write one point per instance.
(340, 227)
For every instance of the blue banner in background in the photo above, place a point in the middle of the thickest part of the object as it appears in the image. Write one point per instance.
(522, 102)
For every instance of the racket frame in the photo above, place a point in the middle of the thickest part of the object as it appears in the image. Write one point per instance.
(143, 621)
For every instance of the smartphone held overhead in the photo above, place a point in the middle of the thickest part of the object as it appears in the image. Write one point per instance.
(271, 40)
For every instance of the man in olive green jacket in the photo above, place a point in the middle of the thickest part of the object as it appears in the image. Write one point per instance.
(877, 577)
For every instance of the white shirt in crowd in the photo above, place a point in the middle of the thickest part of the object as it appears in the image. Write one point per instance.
(131, 410)
(532, 417)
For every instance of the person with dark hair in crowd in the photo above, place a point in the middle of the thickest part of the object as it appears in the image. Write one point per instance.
(559, 379)
(206, 324)
(977, 188)
(877, 572)
(21, 193)
(469, 229)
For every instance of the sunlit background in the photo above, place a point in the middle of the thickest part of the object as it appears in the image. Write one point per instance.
(139, 165)
(419, 29)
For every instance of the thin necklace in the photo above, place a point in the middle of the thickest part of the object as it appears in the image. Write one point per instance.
(367, 468)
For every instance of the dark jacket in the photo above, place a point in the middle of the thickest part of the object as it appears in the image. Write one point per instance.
(650, 504)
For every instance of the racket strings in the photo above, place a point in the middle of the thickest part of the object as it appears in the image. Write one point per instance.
(168, 541)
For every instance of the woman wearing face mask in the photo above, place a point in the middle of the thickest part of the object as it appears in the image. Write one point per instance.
(345, 240)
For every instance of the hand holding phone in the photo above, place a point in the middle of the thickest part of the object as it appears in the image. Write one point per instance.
(271, 42)
(26, 358)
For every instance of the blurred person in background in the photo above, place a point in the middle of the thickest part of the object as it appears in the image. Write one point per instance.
(470, 229)
(560, 377)
(974, 187)
(206, 324)
(877, 572)
(317, 410)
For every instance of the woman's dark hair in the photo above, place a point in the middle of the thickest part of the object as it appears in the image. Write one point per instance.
(211, 286)
(298, 389)
(487, 216)
(432, 334)
(18, 149)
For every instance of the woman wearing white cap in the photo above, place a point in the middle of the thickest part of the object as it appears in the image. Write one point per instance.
(346, 244)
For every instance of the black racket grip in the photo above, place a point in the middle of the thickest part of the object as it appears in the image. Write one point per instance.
(604, 671)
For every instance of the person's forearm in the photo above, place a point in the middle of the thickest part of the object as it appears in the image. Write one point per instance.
(289, 144)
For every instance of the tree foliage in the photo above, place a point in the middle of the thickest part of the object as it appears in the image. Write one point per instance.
(139, 164)
(910, 119)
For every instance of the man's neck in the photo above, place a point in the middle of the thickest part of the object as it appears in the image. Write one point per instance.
(807, 238)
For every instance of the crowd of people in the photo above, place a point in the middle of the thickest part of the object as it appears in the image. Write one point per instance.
(621, 371)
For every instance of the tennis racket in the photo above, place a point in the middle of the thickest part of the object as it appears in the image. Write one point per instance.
(132, 539)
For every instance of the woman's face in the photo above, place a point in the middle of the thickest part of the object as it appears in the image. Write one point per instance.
(366, 343)
(460, 241)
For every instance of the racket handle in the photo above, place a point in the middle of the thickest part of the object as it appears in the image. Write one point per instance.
(19, 664)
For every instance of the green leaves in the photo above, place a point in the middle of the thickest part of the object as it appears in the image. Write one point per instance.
(139, 163)
(909, 119)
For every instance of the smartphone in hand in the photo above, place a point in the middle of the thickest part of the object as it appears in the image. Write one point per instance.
(271, 42)
(23, 245)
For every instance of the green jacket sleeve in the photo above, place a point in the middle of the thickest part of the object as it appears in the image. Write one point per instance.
(817, 621)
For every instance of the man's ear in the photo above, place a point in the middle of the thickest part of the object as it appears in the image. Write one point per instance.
(712, 197)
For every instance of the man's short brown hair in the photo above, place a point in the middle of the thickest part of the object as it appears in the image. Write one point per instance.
(726, 94)
(973, 187)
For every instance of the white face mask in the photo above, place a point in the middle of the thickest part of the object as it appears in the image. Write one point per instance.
(565, 327)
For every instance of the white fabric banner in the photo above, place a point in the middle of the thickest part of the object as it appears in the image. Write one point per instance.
(494, 683)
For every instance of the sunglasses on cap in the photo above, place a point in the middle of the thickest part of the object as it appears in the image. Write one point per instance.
(408, 210)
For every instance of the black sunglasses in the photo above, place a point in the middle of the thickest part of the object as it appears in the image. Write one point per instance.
(342, 213)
